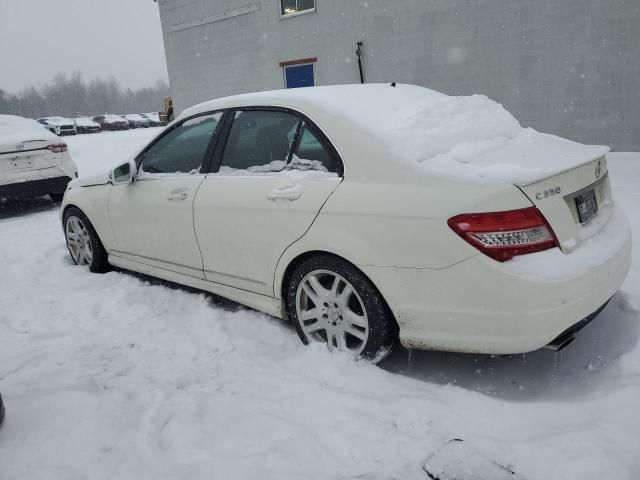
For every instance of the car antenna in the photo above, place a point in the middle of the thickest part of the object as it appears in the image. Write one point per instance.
(393, 84)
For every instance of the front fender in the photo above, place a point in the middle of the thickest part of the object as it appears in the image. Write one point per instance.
(94, 202)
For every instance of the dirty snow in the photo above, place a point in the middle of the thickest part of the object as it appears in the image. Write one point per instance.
(113, 376)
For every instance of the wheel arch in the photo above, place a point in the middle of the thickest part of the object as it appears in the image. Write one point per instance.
(93, 203)
(282, 281)
(66, 208)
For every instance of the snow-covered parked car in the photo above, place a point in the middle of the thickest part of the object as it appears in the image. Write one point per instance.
(86, 125)
(111, 122)
(367, 214)
(33, 161)
(59, 125)
(136, 120)
(154, 119)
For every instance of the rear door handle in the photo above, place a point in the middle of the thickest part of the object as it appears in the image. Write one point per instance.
(178, 196)
(290, 195)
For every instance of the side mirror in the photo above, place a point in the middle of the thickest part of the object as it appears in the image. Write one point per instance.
(122, 175)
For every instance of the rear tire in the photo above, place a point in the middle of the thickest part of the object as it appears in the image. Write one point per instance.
(83, 242)
(329, 300)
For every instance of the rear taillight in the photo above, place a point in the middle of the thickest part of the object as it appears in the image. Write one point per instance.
(503, 235)
(57, 147)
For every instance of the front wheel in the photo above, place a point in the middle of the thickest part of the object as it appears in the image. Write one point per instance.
(329, 300)
(83, 242)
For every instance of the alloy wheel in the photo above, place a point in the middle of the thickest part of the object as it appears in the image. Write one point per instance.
(78, 241)
(330, 310)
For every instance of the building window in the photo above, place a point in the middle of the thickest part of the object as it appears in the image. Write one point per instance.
(299, 76)
(292, 7)
(299, 73)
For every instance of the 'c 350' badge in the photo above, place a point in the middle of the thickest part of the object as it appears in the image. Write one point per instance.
(598, 169)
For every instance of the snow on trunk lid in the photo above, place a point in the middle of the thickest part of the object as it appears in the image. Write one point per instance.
(29, 160)
(573, 201)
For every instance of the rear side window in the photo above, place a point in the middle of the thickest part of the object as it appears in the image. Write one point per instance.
(311, 154)
(259, 141)
(181, 150)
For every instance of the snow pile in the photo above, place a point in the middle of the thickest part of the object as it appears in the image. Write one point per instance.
(15, 130)
(467, 136)
(281, 167)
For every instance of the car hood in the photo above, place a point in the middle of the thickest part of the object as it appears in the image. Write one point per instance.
(90, 180)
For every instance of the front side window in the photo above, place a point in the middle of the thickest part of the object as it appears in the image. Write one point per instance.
(183, 149)
(288, 7)
(259, 141)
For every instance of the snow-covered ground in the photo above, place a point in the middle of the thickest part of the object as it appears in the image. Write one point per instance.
(112, 376)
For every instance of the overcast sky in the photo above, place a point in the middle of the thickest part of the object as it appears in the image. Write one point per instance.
(39, 38)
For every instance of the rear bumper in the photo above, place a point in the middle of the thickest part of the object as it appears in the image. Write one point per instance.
(35, 188)
(483, 306)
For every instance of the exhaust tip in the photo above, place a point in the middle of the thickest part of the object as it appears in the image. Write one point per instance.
(559, 343)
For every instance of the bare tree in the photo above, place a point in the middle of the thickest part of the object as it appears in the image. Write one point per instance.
(70, 95)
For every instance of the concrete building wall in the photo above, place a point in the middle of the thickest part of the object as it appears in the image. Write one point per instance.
(569, 67)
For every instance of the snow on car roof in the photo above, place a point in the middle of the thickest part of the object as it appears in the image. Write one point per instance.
(15, 130)
(59, 120)
(467, 136)
(85, 122)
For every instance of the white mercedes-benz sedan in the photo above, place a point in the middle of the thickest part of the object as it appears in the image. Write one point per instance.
(367, 214)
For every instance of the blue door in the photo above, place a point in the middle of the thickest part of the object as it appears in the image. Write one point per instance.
(299, 76)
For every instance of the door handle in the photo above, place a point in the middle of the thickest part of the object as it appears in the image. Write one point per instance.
(290, 195)
(178, 196)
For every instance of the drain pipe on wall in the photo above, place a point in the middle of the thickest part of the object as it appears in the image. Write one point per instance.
(359, 54)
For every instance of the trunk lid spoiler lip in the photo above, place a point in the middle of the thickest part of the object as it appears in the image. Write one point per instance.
(603, 150)
(14, 147)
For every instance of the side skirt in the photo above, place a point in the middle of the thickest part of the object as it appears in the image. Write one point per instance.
(269, 305)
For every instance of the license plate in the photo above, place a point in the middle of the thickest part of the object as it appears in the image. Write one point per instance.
(587, 206)
(22, 163)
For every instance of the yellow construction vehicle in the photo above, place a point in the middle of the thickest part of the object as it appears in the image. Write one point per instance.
(167, 116)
